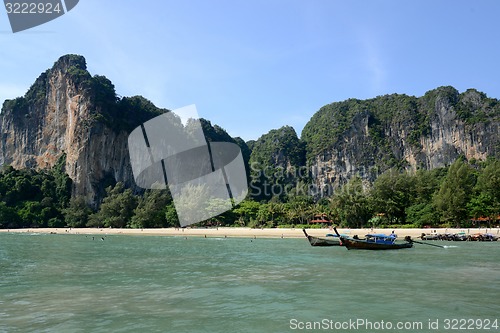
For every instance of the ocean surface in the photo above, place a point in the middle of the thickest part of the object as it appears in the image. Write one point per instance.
(74, 283)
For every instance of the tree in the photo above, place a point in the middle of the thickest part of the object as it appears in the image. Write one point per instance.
(8, 217)
(76, 215)
(263, 214)
(299, 209)
(30, 214)
(421, 214)
(392, 194)
(481, 205)
(171, 216)
(455, 193)
(151, 210)
(117, 208)
(350, 204)
(488, 190)
(218, 208)
(276, 210)
(427, 183)
(247, 210)
(62, 182)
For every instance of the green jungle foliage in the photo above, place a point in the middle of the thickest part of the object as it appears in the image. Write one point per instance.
(29, 198)
(452, 196)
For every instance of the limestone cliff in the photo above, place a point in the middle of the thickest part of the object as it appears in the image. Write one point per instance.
(277, 161)
(68, 111)
(367, 137)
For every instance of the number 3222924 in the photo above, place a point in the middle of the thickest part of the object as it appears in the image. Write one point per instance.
(32, 8)
(471, 324)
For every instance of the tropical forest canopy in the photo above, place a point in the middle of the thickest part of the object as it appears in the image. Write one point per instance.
(451, 196)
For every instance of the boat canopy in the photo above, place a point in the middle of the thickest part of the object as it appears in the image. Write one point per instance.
(381, 238)
(382, 235)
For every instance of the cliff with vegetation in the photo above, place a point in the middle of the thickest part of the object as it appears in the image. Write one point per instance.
(277, 159)
(67, 112)
(368, 137)
(63, 146)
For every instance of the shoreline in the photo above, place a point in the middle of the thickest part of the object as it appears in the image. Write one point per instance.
(243, 232)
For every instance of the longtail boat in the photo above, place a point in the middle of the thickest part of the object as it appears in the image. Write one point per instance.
(488, 237)
(374, 242)
(330, 240)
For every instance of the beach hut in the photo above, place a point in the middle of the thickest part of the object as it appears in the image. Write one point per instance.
(484, 221)
(321, 219)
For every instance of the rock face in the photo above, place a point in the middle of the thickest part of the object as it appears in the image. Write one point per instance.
(368, 137)
(277, 162)
(61, 115)
(69, 112)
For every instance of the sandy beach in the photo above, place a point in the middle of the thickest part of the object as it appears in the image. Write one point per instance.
(246, 232)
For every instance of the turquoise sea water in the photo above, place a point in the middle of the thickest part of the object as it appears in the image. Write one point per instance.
(71, 283)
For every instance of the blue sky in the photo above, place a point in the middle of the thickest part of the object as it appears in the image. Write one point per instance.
(251, 66)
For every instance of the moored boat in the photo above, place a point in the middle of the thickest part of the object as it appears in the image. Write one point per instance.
(329, 240)
(431, 236)
(487, 237)
(459, 237)
(373, 242)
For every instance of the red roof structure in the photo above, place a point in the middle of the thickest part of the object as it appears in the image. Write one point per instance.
(485, 219)
(320, 218)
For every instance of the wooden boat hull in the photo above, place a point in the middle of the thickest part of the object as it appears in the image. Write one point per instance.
(318, 241)
(364, 245)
